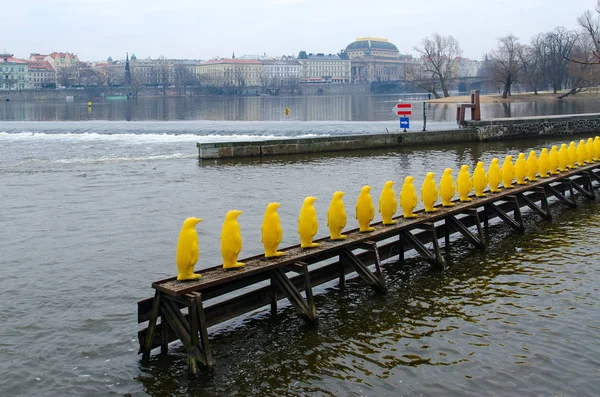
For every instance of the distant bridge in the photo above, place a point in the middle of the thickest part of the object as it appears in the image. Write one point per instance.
(462, 84)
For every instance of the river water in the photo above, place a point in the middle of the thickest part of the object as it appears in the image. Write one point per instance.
(91, 211)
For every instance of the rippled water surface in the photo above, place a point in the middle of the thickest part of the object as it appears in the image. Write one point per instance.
(89, 220)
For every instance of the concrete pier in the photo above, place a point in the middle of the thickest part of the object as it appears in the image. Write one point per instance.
(495, 129)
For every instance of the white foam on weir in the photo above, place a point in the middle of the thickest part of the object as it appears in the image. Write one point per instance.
(140, 138)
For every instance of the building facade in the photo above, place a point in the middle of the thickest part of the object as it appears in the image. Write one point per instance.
(14, 73)
(41, 75)
(281, 72)
(66, 66)
(321, 67)
(376, 60)
(231, 72)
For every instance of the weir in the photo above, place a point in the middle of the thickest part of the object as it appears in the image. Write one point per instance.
(186, 310)
(471, 131)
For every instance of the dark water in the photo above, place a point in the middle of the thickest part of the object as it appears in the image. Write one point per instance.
(89, 217)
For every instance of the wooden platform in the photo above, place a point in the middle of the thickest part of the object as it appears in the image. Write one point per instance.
(178, 311)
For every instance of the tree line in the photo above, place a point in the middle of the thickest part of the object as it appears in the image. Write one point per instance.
(556, 60)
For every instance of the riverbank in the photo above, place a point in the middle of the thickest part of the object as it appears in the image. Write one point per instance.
(521, 97)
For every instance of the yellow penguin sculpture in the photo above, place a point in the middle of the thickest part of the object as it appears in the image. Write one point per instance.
(563, 158)
(494, 175)
(508, 172)
(271, 231)
(480, 180)
(187, 250)
(532, 166)
(336, 216)
(231, 240)
(307, 223)
(365, 212)
(429, 193)
(447, 188)
(408, 197)
(590, 151)
(553, 159)
(581, 153)
(597, 148)
(464, 183)
(572, 152)
(388, 205)
(544, 163)
(521, 169)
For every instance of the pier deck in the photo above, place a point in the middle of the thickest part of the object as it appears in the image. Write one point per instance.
(181, 306)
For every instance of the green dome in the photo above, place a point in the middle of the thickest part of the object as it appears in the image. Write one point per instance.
(369, 43)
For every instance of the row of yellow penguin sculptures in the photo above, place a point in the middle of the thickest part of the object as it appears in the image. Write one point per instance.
(524, 170)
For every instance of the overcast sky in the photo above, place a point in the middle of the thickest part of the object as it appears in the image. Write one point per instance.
(204, 29)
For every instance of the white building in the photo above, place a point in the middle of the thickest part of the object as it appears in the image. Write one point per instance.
(322, 67)
(281, 72)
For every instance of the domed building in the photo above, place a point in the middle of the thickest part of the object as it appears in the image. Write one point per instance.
(364, 46)
(376, 60)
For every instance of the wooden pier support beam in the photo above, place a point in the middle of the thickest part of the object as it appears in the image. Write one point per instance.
(434, 258)
(306, 308)
(372, 247)
(543, 210)
(587, 191)
(516, 223)
(560, 196)
(198, 327)
(375, 281)
(151, 327)
(477, 241)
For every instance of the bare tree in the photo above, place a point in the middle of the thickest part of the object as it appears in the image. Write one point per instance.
(580, 76)
(591, 25)
(558, 46)
(505, 63)
(532, 63)
(424, 80)
(239, 78)
(440, 55)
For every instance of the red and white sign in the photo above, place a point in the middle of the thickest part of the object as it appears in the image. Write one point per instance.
(404, 109)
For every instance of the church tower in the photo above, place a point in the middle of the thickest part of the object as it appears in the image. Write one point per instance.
(127, 72)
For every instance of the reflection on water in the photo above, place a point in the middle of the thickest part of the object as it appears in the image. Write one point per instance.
(305, 108)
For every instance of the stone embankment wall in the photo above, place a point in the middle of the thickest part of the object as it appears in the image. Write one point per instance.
(533, 127)
(329, 144)
(496, 129)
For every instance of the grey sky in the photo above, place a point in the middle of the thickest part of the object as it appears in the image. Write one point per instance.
(204, 29)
